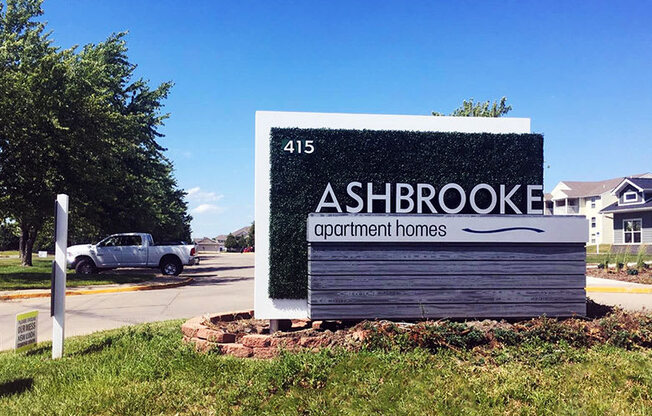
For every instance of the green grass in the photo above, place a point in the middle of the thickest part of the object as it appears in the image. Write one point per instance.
(147, 370)
(631, 258)
(593, 257)
(591, 248)
(13, 276)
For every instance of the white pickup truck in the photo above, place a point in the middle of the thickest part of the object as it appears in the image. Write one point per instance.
(130, 250)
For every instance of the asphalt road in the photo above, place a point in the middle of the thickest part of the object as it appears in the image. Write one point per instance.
(223, 283)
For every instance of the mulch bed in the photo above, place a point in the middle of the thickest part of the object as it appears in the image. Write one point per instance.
(240, 335)
(644, 276)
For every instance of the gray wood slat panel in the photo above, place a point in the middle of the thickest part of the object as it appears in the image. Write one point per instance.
(338, 297)
(428, 267)
(414, 252)
(326, 282)
(427, 311)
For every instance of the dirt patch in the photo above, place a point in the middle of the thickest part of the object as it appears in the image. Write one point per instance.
(644, 276)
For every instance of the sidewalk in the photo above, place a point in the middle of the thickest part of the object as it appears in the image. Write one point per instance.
(158, 283)
(596, 284)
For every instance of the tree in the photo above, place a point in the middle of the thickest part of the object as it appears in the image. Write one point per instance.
(231, 243)
(8, 236)
(251, 237)
(77, 122)
(482, 109)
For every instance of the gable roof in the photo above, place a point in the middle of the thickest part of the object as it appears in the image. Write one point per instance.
(646, 206)
(241, 231)
(580, 189)
(206, 241)
(642, 184)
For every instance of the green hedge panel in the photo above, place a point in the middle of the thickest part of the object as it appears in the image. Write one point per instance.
(343, 156)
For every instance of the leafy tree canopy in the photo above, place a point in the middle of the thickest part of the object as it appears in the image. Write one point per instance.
(481, 109)
(77, 121)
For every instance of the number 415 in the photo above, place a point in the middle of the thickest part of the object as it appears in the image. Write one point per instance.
(301, 146)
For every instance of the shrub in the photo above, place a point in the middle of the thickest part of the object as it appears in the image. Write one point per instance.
(640, 256)
(626, 255)
(507, 336)
(617, 328)
(632, 272)
(606, 260)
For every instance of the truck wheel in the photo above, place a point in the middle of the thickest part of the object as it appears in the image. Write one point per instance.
(85, 266)
(171, 267)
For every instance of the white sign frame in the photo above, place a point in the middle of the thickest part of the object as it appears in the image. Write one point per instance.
(268, 308)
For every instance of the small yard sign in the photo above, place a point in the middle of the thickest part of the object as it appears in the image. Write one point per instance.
(26, 330)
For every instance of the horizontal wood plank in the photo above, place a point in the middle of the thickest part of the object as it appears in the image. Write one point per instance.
(437, 311)
(467, 281)
(423, 251)
(406, 296)
(430, 267)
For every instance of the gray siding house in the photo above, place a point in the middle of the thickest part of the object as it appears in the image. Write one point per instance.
(632, 213)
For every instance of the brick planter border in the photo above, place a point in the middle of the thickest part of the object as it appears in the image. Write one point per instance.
(254, 345)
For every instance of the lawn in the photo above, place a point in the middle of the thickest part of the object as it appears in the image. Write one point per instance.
(146, 369)
(13, 276)
(593, 257)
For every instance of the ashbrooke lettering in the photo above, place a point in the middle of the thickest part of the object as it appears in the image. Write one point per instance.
(404, 198)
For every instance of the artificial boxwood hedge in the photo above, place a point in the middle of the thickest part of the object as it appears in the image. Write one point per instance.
(343, 156)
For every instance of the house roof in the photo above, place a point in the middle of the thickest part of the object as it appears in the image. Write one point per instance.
(643, 184)
(646, 206)
(220, 237)
(579, 189)
(241, 231)
(205, 241)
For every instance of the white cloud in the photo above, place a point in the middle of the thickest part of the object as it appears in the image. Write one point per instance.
(206, 208)
(197, 195)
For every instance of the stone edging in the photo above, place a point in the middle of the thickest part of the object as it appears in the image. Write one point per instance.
(255, 345)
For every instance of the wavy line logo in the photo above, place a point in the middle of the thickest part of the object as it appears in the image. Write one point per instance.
(503, 230)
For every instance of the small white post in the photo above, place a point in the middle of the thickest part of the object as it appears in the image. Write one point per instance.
(59, 285)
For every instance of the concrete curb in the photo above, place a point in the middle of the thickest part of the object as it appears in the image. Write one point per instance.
(151, 286)
(622, 289)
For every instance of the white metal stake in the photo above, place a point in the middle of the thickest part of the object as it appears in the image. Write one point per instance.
(60, 266)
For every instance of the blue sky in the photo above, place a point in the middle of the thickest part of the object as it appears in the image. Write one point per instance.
(579, 70)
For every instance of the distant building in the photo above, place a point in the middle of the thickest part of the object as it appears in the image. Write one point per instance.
(216, 244)
(208, 245)
(631, 212)
(244, 231)
(588, 199)
(221, 239)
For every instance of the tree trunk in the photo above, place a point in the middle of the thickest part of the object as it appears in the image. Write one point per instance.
(26, 245)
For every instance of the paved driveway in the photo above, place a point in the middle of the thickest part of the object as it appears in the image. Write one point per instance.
(223, 283)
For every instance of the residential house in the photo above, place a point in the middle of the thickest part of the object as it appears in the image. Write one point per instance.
(588, 199)
(208, 245)
(244, 231)
(631, 212)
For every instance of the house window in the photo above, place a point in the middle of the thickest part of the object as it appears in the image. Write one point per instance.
(592, 202)
(592, 222)
(630, 196)
(632, 231)
(592, 238)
